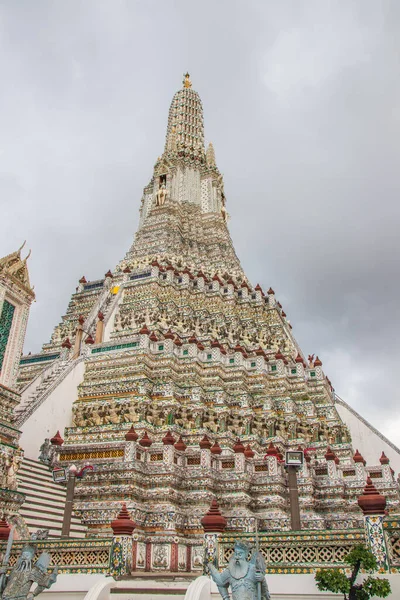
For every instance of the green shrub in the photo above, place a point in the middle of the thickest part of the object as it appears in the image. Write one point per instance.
(336, 581)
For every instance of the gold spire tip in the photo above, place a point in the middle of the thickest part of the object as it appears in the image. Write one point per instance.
(186, 81)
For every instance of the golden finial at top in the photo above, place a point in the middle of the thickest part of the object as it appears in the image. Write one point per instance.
(186, 82)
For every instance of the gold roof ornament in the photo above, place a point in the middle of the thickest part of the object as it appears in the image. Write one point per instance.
(186, 82)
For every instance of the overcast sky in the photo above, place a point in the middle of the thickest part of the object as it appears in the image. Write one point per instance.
(301, 101)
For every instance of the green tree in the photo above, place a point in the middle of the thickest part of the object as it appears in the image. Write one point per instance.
(336, 581)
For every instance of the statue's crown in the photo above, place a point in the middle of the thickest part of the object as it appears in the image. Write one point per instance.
(29, 549)
(241, 546)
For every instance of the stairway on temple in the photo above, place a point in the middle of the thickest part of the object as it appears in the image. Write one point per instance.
(34, 398)
(152, 586)
(44, 500)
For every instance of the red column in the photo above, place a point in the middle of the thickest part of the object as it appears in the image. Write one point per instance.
(188, 558)
(174, 557)
(134, 555)
(147, 566)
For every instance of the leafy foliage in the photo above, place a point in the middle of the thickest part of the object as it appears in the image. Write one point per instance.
(359, 555)
(375, 586)
(332, 580)
(335, 580)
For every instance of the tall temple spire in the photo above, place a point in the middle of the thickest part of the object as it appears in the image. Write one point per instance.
(185, 121)
(183, 212)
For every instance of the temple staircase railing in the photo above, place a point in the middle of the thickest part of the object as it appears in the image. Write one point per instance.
(31, 403)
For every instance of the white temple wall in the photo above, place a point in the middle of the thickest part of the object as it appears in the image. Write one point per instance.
(74, 587)
(54, 414)
(282, 587)
(367, 439)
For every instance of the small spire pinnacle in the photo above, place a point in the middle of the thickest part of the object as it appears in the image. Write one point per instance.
(186, 81)
(210, 155)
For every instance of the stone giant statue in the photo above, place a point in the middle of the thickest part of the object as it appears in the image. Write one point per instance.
(245, 578)
(17, 585)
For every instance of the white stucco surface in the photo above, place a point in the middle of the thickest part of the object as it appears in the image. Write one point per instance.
(54, 414)
(73, 587)
(366, 439)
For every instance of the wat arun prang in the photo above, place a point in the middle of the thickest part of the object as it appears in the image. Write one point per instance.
(193, 386)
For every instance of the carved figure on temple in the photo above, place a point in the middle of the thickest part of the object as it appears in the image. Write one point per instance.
(345, 434)
(235, 425)
(259, 424)
(209, 422)
(314, 432)
(117, 322)
(302, 432)
(17, 585)
(78, 419)
(45, 452)
(94, 417)
(242, 576)
(161, 417)
(182, 416)
(161, 195)
(190, 422)
(292, 429)
(112, 415)
(131, 415)
(150, 415)
(13, 464)
(323, 433)
(281, 429)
